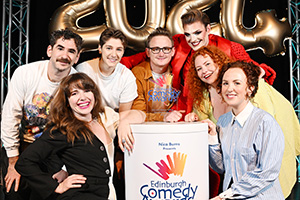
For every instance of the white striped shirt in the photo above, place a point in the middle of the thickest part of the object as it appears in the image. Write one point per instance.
(250, 153)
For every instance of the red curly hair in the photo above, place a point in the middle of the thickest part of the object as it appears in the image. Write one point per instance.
(198, 88)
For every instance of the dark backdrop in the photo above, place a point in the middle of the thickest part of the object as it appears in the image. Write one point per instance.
(42, 10)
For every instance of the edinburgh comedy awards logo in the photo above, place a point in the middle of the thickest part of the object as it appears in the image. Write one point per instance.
(166, 189)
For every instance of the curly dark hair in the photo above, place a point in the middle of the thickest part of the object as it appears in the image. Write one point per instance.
(196, 87)
(66, 34)
(251, 71)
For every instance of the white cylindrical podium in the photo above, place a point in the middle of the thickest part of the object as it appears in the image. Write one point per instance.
(169, 161)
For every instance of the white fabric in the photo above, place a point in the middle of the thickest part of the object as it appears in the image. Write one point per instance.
(119, 87)
(110, 120)
(28, 93)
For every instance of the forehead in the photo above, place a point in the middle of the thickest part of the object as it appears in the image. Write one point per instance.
(160, 41)
(115, 42)
(66, 43)
(190, 28)
(202, 59)
(234, 74)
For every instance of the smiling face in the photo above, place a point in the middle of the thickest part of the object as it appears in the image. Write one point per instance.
(63, 55)
(161, 59)
(196, 35)
(206, 69)
(235, 90)
(112, 52)
(82, 103)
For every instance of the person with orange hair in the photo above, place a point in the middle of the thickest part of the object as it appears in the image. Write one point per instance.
(196, 26)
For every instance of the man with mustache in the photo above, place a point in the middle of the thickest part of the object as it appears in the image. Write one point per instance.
(26, 105)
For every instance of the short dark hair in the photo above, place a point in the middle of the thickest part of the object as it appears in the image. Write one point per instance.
(251, 71)
(112, 33)
(66, 34)
(194, 15)
(159, 32)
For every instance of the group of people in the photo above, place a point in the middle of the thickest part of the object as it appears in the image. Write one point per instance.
(58, 124)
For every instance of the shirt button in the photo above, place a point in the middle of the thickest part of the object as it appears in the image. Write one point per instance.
(107, 171)
(102, 148)
(105, 159)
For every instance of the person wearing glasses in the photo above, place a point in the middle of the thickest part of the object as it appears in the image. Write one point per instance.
(154, 78)
(196, 27)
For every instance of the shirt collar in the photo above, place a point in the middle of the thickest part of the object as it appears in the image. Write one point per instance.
(243, 116)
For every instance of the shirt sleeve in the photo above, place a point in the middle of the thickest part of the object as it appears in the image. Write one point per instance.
(269, 145)
(12, 113)
(129, 92)
(131, 61)
(215, 155)
(238, 52)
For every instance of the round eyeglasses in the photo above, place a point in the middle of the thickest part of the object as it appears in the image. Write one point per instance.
(156, 50)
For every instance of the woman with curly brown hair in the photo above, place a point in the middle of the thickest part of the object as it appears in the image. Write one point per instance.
(80, 132)
(208, 104)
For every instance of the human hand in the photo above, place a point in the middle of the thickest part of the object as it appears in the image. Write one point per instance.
(173, 116)
(126, 139)
(216, 198)
(12, 175)
(60, 176)
(191, 117)
(73, 181)
(211, 127)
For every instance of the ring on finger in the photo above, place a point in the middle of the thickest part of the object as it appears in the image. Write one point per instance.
(123, 141)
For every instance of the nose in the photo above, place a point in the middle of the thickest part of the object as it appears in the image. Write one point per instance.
(193, 37)
(114, 53)
(230, 87)
(65, 54)
(82, 96)
(161, 53)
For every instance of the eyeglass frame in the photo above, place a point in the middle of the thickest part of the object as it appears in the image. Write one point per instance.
(160, 49)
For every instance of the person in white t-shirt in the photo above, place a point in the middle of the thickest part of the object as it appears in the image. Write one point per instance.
(26, 105)
(116, 82)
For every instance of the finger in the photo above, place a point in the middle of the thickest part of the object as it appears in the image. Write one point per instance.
(121, 145)
(127, 146)
(181, 111)
(75, 186)
(8, 185)
(131, 138)
(17, 182)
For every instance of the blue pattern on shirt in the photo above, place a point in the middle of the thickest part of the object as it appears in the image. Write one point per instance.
(250, 154)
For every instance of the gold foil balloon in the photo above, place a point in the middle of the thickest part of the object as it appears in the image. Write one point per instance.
(116, 17)
(67, 16)
(268, 33)
(174, 17)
